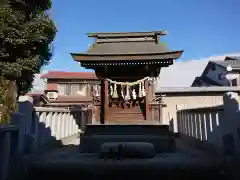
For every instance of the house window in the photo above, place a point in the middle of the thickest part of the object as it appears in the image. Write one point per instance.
(64, 89)
(74, 89)
(81, 87)
(60, 88)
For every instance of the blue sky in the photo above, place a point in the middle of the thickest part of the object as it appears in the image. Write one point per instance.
(200, 27)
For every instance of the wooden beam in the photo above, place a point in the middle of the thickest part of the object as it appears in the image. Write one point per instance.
(102, 119)
(148, 98)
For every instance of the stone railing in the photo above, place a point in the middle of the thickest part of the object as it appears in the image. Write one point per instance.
(35, 129)
(8, 135)
(50, 126)
(214, 128)
(199, 123)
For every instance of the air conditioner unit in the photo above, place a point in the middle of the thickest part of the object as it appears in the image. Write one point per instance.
(51, 95)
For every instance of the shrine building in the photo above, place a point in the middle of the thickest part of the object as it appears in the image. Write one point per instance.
(127, 64)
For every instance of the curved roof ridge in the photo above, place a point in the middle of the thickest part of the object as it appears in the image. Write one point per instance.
(126, 34)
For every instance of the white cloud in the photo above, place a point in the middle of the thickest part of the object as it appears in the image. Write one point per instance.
(39, 85)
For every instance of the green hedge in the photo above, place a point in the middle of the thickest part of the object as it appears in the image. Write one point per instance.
(7, 100)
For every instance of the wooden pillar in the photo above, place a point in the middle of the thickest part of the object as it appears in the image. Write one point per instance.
(160, 113)
(104, 100)
(149, 98)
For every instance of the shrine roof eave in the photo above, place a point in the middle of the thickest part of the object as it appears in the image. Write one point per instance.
(90, 57)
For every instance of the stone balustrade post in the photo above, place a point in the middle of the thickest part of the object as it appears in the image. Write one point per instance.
(7, 145)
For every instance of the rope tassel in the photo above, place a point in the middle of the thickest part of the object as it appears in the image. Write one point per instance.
(134, 94)
(96, 90)
(115, 94)
(122, 94)
(140, 83)
(140, 90)
(111, 91)
(127, 97)
(143, 90)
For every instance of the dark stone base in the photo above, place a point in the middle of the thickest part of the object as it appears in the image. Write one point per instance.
(158, 135)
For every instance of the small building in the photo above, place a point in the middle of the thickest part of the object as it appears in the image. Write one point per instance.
(39, 99)
(71, 88)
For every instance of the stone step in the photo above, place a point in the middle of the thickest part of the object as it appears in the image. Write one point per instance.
(93, 143)
(132, 129)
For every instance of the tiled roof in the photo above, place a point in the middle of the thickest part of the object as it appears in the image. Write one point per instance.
(127, 43)
(233, 61)
(232, 58)
(128, 48)
(72, 99)
(70, 75)
(62, 99)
